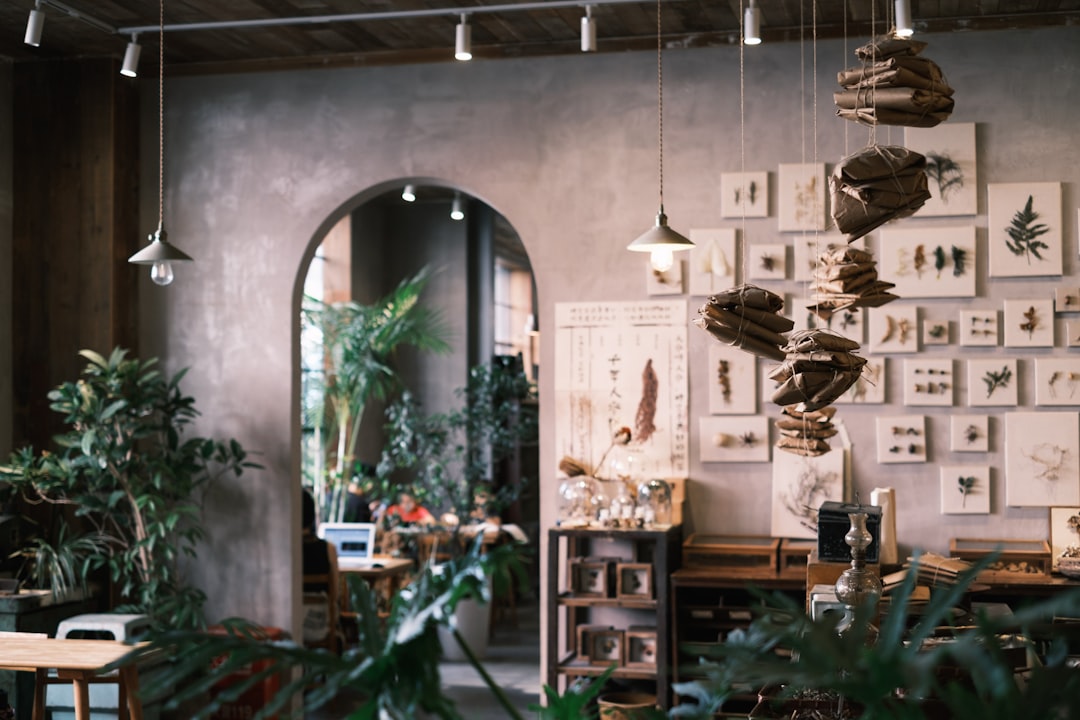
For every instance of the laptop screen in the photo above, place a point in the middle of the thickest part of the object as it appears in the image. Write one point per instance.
(353, 541)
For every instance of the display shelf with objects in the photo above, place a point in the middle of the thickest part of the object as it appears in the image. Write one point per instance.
(607, 598)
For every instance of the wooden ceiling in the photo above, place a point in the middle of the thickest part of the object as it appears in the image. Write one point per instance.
(505, 33)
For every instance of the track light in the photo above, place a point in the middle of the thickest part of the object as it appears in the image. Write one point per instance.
(457, 211)
(463, 39)
(588, 31)
(752, 24)
(409, 193)
(34, 25)
(903, 19)
(130, 68)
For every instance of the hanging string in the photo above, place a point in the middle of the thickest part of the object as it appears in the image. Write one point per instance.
(873, 62)
(161, 115)
(813, 50)
(659, 102)
(742, 133)
(844, 64)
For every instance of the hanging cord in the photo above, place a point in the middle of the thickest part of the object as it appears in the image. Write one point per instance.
(844, 64)
(813, 121)
(660, 103)
(742, 133)
(161, 116)
(873, 62)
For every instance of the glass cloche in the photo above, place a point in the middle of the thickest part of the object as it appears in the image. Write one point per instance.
(654, 501)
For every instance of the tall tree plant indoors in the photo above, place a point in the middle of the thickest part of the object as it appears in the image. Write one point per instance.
(126, 471)
(358, 343)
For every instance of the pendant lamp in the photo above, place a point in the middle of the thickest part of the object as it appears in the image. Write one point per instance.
(160, 254)
(660, 241)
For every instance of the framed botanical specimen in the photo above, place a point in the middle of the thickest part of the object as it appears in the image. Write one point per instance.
(978, 327)
(713, 264)
(800, 485)
(1067, 299)
(901, 439)
(633, 581)
(1057, 381)
(1025, 236)
(929, 262)
(606, 647)
(992, 382)
(929, 382)
(732, 380)
(807, 249)
(949, 150)
(742, 438)
(965, 489)
(1042, 459)
(894, 328)
(744, 194)
(1072, 334)
(969, 433)
(935, 331)
(1064, 531)
(664, 282)
(767, 261)
(869, 389)
(640, 647)
(1029, 323)
(802, 197)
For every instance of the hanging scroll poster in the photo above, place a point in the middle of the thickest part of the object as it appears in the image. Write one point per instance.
(623, 364)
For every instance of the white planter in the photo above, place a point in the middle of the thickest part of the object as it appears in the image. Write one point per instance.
(473, 621)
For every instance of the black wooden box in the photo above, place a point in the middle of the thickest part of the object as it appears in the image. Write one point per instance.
(833, 524)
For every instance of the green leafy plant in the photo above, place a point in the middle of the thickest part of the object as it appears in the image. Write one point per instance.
(997, 379)
(127, 475)
(1024, 231)
(577, 702)
(966, 486)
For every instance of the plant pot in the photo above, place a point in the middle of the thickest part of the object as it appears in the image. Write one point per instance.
(625, 705)
(776, 703)
(473, 621)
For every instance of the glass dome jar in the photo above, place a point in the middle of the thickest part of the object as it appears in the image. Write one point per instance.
(577, 501)
(654, 500)
(622, 507)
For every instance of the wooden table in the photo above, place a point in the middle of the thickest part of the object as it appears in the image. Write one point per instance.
(81, 662)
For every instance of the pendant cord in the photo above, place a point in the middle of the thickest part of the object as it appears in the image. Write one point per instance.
(742, 128)
(161, 116)
(660, 103)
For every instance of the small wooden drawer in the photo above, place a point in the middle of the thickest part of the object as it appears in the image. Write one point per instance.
(601, 644)
(634, 581)
(1017, 560)
(640, 647)
(591, 577)
(738, 554)
(795, 556)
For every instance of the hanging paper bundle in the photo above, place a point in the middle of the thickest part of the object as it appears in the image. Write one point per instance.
(846, 277)
(875, 185)
(746, 317)
(894, 86)
(805, 433)
(819, 367)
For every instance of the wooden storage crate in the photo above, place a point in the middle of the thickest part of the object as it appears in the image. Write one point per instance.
(640, 647)
(1017, 560)
(600, 644)
(592, 577)
(795, 556)
(634, 581)
(736, 554)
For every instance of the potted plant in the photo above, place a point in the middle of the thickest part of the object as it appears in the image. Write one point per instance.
(126, 484)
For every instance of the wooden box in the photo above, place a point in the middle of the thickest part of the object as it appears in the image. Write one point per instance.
(1017, 560)
(795, 556)
(640, 647)
(600, 644)
(591, 577)
(737, 554)
(634, 581)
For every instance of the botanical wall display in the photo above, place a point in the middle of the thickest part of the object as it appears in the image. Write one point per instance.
(664, 282)
(713, 262)
(732, 380)
(1064, 531)
(929, 262)
(1025, 237)
(935, 331)
(802, 197)
(800, 484)
(1067, 299)
(901, 439)
(951, 166)
(978, 327)
(992, 382)
(969, 433)
(869, 389)
(742, 438)
(1057, 381)
(1072, 334)
(894, 328)
(744, 194)
(929, 382)
(965, 489)
(766, 261)
(1042, 459)
(1029, 323)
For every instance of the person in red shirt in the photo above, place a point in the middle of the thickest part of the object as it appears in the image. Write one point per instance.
(408, 511)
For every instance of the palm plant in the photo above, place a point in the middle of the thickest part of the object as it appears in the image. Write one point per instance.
(357, 344)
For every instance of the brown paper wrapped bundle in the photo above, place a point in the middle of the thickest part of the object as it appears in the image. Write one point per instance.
(745, 317)
(818, 368)
(846, 277)
(805, 433)
(875, 185)
(810, 447)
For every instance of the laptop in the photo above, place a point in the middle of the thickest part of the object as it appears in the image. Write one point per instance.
(354, 542)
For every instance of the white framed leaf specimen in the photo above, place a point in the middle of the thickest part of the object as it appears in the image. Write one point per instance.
(935, 331)
(1029, 323)
(766, 261)
(732, 380)
(1057, 381)
(894, 328)
(802, 197)
(1042, 467)
(1072, 334)
(929, 262)
(965, 489)
(1064, 531)
(869, 389)
(969, 433)
(949, 150)
(800, 484)
(901, 439)
(1024, 234)
(992, 382)
(664, 282)
(1067, 299)
(734, 438)
(744, 195)
(978, 327)
(713, 263)
(928, 381)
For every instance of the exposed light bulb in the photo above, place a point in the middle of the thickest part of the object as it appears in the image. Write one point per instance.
(661, 259)
(162, 273)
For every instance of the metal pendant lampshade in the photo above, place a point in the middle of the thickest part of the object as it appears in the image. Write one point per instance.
(160, 254)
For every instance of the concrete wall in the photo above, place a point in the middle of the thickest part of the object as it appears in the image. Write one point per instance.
(6, 190)
(259, 166)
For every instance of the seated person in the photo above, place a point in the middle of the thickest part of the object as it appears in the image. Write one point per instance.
(357, 505)
(406, 510)
(320, 597)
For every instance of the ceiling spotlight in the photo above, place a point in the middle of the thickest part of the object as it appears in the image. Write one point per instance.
(34, 25)
(409, 193)
(463, 39)
(752, 24)
(457, 211)
(130, 68)
(903, 19)
(588, 31)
